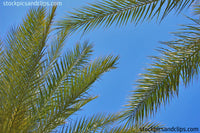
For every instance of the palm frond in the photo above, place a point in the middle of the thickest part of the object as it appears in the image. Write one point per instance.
(67, 67)
(120, 12)
(196, 8)
(70, 92)
(1, 56)
(1, 47)
(90, 124)
(107, 123)
(179, 62)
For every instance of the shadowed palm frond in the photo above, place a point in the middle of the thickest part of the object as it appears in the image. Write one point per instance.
(120, 12)
(179, 62)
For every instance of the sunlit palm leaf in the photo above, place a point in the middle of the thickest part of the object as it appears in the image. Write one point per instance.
(90, 124)
(179, 62)
(107, 123)
(68, 91)
(120, 12)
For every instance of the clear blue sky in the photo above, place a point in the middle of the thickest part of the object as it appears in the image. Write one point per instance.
(133, 45)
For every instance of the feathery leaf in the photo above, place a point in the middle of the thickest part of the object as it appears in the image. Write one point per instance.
(179, 62)
(120, 12)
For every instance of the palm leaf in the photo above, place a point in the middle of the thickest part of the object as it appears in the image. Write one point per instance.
(196, 8)
(107, 123)
(91, 124)
(67, 91)
(120, 12)
(179, 62)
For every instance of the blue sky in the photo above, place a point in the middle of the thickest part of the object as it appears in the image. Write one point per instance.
(133, 44)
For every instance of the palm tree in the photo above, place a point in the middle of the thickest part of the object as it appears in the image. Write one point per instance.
(40, 87)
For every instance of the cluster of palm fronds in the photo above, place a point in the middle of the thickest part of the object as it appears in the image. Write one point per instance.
(41, 87)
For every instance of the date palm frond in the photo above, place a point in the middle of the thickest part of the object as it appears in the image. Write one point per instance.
(119, 12)
(180, 61)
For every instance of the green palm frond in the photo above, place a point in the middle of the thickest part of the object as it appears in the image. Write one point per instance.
(1, 54)
(1, 47)
(120, 12)
(39, 86)
(68, 90)
(108, 123)
(179, 62)
(197, 8)
(91, 124)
